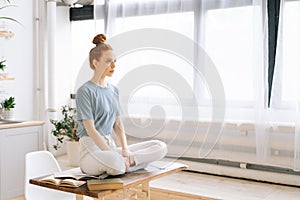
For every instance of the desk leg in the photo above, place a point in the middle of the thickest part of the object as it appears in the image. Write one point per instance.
(146, 189)
(79, 197)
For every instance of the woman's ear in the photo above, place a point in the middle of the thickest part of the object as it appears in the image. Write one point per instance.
(95, 63)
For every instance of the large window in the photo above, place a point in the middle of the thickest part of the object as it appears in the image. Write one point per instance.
(83, 33)
(226, 33)
(179, 22)
(229, 42)
(285, 90)
(290, 52)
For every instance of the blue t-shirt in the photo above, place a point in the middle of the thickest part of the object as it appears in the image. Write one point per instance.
(98, 104)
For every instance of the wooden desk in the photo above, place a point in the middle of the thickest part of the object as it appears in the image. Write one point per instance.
(136, 184)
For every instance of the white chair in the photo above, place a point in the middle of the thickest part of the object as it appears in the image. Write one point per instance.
(37, 164)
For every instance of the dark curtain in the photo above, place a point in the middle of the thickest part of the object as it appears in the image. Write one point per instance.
(273, 18)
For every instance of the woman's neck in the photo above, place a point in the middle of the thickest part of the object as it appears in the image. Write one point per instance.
(99, 81)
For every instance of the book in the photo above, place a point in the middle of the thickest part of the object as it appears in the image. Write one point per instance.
(62, 182)
(76, 174)
(105, 184)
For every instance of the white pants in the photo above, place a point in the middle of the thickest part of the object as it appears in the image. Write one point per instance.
(95, 161)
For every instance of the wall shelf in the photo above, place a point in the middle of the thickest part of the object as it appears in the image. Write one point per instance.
(6, 78)
(6, 34)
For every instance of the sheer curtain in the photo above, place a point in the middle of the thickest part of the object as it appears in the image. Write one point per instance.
(285, 92)
(155, 79)
(234, 34)
(207, 101)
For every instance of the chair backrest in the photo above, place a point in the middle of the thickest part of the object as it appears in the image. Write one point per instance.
(37, 164)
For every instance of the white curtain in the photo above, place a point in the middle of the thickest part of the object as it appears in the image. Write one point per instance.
(154, 75)
(234, 34)
(194, 74)
(285, 92)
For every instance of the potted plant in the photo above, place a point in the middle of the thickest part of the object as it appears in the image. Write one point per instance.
(2, 65)
(2, 68)
(65, 130)
(6, 107)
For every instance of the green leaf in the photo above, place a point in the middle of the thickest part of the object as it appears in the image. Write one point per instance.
(66, 127)
(9, 18)
(8, 103)
(7, 6)
(2, 65)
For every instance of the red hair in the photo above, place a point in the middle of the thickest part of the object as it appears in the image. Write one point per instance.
(96, 52)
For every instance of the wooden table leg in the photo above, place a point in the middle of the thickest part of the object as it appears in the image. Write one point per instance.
(146, 189)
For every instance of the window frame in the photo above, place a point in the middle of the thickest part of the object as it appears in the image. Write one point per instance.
(199, 19)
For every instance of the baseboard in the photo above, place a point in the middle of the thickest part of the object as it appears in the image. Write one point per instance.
(257, 175)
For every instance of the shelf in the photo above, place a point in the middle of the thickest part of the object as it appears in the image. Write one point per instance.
(6, 78)
(6, 34)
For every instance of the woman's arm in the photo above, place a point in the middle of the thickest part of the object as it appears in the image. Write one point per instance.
(120, 132)
(94, 134)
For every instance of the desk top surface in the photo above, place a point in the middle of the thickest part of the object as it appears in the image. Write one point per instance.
(154, 171)
(21, 124)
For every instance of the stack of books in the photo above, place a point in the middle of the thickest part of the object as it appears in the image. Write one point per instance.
(105, 184)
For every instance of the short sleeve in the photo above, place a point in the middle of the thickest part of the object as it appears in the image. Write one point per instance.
(83, 104)
(118, 106)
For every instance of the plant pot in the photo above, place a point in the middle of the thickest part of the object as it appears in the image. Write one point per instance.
(3, 75)
(6, 114)
(73, 153)
(69, 2)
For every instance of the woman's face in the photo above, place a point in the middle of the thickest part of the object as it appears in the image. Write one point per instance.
(106, 63)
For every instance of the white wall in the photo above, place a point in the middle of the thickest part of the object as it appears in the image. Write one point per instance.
(18, 52)
(63, 68)
(62, 72)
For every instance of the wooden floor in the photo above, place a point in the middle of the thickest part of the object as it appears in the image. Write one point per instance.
(191, 185)
(217, 187)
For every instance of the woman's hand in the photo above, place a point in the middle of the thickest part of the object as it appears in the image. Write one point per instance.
(128, 158)
(126, 152)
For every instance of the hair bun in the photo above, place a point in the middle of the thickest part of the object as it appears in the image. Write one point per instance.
(100, 38)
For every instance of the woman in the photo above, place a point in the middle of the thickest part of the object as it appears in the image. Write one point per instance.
(98, 115)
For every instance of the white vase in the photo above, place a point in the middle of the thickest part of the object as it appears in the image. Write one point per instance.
(69, 2)
(73, 153)
(6, 114)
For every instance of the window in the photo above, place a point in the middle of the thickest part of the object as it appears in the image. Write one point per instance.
(179, 22)
(82, 36)
(229, 40)
(290, 52)
(226, 34)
